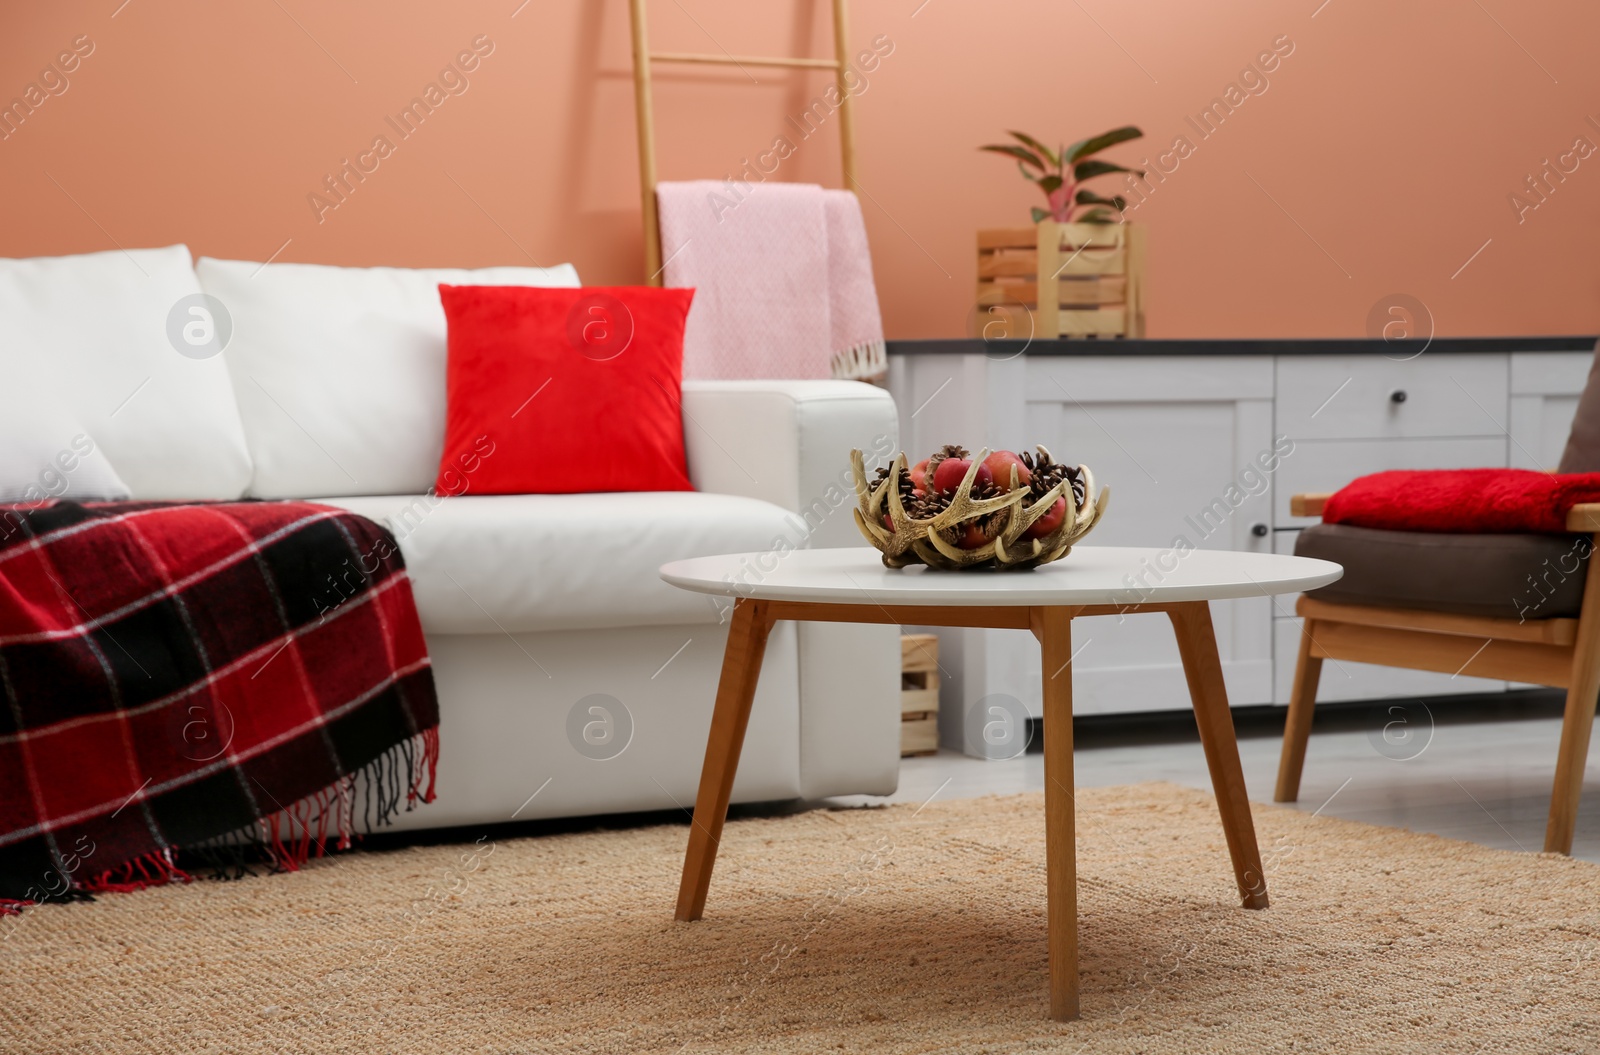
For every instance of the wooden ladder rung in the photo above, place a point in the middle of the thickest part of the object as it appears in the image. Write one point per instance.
(743, 60)
(644, 111)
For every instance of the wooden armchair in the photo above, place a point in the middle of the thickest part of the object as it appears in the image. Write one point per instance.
(1558, 649)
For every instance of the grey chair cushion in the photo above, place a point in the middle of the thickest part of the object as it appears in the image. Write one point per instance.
(1582, 454)
(1501, 576)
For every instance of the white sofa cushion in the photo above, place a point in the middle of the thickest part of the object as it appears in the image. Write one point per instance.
(45, 452)
(487, 564)
(95, 328)
(340, 371)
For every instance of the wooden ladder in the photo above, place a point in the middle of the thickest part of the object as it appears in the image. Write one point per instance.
(644, 111)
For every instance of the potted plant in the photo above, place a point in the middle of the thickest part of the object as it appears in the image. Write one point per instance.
(1065, 192)
(1082, 253)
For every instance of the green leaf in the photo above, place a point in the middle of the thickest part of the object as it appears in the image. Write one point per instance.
(1089, 197)
(1084, 147)
(1095, 215)
(1025, 156)
(1040, 215)
(1089, 169)
(1050, 184)
(1037, 147)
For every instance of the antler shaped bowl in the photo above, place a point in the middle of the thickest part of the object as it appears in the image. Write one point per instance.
(1004, 520)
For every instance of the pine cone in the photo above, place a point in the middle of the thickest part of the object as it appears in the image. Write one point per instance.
(925, 506)
(904, 482)
(1047, 473)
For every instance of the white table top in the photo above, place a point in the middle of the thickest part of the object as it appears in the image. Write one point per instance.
(1087, 575)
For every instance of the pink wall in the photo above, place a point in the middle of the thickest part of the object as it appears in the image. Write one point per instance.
(1390, 139)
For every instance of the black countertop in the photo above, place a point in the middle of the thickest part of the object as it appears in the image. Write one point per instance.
(1284, 346)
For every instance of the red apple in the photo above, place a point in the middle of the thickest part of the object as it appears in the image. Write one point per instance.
(918, 471)
(948, 476)
(972, 536)
(1049, 522)
(999, 464)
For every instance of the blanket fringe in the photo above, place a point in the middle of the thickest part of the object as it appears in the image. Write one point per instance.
(867, 361)
(325, 822)
(319, 824)
(430, 766)
(152, 869)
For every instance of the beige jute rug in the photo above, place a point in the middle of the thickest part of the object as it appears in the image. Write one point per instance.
(879, 930)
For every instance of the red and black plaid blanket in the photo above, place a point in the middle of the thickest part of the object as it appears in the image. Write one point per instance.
(175, 679)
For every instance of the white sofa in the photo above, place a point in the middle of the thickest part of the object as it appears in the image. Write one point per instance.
(536, 607)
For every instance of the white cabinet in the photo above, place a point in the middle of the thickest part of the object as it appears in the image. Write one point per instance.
(1180, 439)
(1544, 395)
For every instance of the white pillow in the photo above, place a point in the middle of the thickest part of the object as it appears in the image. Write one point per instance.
(340, 371)
(95, 327)
(45, 452)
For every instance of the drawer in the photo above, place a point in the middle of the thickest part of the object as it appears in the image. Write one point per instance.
(1372, 396)
(1343, 680)
(1327, 465)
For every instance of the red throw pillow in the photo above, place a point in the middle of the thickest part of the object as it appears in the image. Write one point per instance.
(560, 391)
(1469, 501)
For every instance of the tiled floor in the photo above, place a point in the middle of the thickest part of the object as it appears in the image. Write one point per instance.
(1479, 773)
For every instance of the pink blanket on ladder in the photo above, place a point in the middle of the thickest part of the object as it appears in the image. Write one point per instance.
(782, 275)
(855, 326)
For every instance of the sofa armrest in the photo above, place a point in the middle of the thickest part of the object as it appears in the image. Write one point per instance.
(788, 443)
(1309, 505)
(1584, 517)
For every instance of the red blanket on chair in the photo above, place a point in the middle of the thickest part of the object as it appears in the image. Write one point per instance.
(1463, 501)
(184, 682)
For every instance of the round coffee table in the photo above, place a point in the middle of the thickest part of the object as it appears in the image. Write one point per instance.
(853, 586)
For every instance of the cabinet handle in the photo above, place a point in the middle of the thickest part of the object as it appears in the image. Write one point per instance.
(1259, 530)
(1397, 396)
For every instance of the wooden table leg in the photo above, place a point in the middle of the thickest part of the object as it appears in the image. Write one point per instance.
(1197, 644)
(1053, 627)
(741, 667)
(1297, 725)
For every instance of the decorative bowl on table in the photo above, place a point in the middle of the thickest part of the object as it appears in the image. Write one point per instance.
(998, 510)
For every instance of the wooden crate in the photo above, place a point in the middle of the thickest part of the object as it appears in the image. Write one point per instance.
(919, 694)
(1096, 271)
(919, 735)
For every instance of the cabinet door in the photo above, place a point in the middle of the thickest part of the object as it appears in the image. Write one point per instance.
(1179, 443)
(1544, 396)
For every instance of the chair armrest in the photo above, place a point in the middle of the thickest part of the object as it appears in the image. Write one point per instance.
(1585, 517)
(1308, 505)
(788, 443)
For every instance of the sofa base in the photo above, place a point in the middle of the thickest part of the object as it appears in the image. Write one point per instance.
(510, 745)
